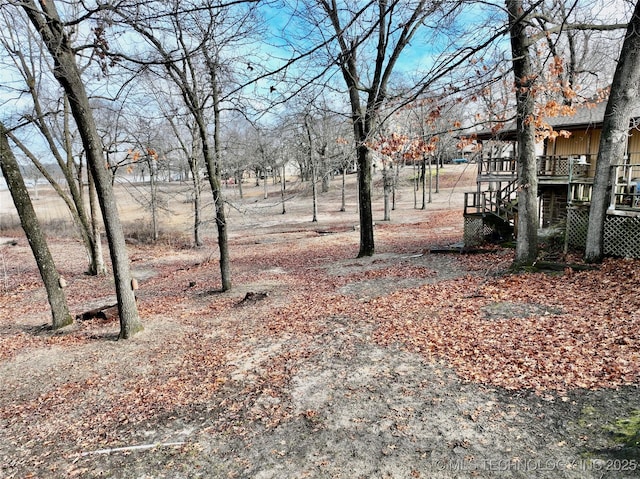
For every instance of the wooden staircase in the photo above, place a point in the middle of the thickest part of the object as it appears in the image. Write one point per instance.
(497, 207)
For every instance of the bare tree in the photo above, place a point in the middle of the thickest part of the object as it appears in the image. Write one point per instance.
(189, 44)
(365, 41)
(185, 138)
(189, 145)
(527, 244)
(625, 91)
(313, 165)
(46, 21)
(239, 151)
(51, 119)
(150, 149)
(52, 280)
(576, 55)
(390, 41)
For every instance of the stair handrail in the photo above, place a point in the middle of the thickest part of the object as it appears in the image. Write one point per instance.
(501, 202)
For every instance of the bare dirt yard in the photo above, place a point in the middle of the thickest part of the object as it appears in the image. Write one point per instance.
(317, 364)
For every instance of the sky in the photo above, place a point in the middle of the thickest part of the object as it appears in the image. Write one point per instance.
(419, 55)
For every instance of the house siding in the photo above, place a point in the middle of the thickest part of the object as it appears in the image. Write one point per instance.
(634, 148)
(581, 142)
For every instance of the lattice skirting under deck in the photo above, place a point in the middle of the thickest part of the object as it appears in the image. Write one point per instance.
(577, 224)
(621, 233)
(476, 231)
(622, 236)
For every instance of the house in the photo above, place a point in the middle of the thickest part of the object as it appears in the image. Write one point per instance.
(566, 168)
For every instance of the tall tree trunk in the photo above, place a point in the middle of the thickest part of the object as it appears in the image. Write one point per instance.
(394, 185)
(326, 177)
(239, 178)
(196, 181)
(423, 183)
(197, 197)
(51, 29)
(386, 186)
(430, 180)
(197, 221)
(96, 265)
(29, 221)
(343, 196)
(527, 241)
(314, 192)
(625, 90)
(213, 167)
(265, 184)
(416, 185)
(213, 171)
(153, 187)
(313, 166)
(282, 188)
(365, 211)
(86, 220)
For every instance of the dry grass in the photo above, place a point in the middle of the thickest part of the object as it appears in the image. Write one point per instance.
(175, 216)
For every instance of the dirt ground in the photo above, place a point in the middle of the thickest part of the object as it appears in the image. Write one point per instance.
(297, 372)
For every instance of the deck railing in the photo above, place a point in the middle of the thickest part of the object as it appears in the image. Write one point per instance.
(500, 202)
(575, 170)
(575, 166)
(625, 191)
(497, 167)
(547, 166)
(472, 203)
(553, 166)
(625, 194)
